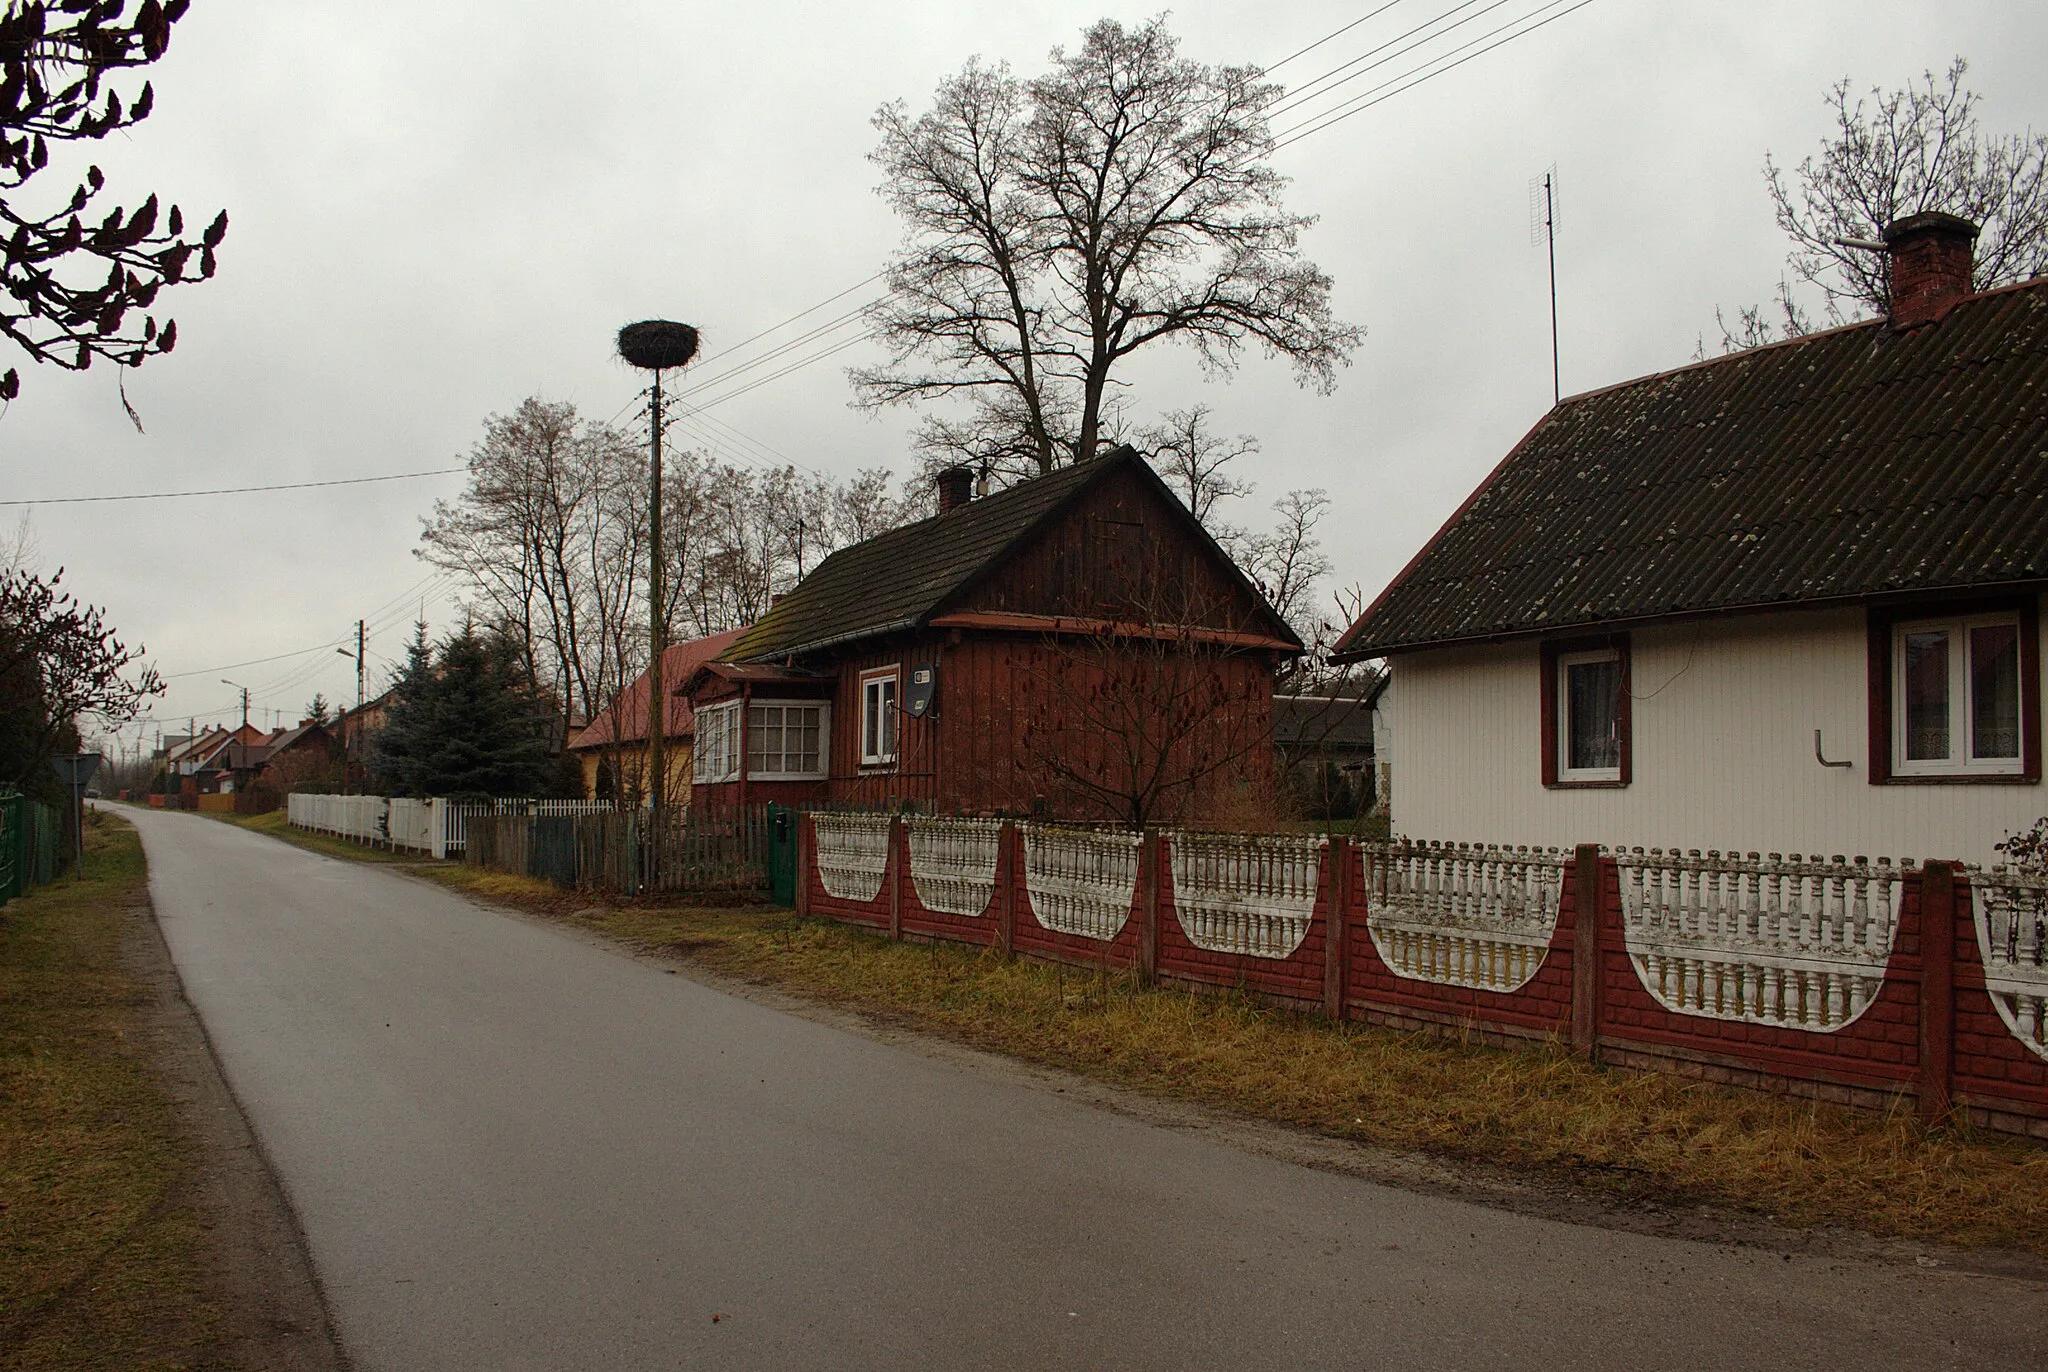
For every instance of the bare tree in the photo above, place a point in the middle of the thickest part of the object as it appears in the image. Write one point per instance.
(60, 662)
(1055, 226)
(1288, 562)
(548, 535)
(1192, 457)
(72, 286)
(1902, 152)
(1143, 722)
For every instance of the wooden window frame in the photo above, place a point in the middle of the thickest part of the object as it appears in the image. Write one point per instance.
(724, 717)
(1883, 623)
(878, 760)
(1552, 724)
(823, 707)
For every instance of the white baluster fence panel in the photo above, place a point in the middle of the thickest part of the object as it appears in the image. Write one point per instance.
(2011, 915)
(1081, 882)
(1251, 894)
(1794, 942)
(1463, 914)
(852, 853)
(953, 863)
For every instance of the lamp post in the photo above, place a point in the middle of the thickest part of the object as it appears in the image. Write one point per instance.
(245, 698)
(656, 345)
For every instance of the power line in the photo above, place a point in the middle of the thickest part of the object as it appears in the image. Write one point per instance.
(235, 490)
(1334, 33)
(1316, 123)
(230, 666)
(1307, 91)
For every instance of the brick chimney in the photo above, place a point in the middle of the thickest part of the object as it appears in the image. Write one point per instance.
(1930, 268)
(956, 488)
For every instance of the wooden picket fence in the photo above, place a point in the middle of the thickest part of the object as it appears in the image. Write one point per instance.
(681, 848)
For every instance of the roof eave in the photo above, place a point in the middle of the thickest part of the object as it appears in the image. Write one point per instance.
(1902, 595)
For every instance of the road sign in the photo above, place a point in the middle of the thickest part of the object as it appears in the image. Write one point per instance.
(76, 769)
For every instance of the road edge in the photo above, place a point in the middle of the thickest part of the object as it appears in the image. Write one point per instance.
(275, 1311)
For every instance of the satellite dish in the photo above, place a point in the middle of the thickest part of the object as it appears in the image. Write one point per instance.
(924, 690)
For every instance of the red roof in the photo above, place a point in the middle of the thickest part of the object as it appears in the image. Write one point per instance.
(629, 712)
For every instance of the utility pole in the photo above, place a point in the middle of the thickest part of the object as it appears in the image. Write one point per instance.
(656, 345)
(245, 698)
(352, 720)
(657, 631)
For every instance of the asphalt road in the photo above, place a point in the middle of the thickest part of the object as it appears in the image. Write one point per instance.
(513, 1149)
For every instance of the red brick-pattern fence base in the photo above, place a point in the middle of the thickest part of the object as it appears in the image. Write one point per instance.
(1930, 1037)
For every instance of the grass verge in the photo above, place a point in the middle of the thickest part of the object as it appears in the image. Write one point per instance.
(1656, 1139)
(277, 826)
(101, 1264)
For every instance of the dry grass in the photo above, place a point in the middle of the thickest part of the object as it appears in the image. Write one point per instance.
(275, 824)
(100, 1264)
(1655, 1138)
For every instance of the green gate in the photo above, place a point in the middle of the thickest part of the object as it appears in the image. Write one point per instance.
(782, 854)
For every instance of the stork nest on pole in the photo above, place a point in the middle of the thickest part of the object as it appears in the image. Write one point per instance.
(657, 344)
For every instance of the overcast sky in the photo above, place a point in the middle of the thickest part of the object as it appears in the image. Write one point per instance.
(439, 209)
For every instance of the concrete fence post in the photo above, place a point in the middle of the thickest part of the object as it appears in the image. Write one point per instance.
(1589, 901)
(804, 848)
(1935, 1086)
(893, 875)
(1007, 848)
(1337, 929)
(1151, 866)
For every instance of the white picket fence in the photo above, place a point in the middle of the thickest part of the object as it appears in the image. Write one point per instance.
(434, 827)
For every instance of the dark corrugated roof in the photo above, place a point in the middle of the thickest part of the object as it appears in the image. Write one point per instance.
(897, 579)
(1851, 463)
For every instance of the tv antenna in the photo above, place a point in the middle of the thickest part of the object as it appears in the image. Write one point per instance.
(1543, 232)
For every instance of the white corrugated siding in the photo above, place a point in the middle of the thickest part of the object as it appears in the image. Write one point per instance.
(1724, 715)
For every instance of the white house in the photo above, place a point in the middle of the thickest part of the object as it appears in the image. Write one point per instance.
(1787, 600)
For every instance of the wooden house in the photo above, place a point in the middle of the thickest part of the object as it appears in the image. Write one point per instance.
(1783, 600)
(1075, 645)
(612, 748)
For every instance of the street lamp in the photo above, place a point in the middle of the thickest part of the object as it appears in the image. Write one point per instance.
(245, 698)
(357, 656)
(656, 345)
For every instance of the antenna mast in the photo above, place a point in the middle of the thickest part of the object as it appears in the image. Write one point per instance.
(1543, 220)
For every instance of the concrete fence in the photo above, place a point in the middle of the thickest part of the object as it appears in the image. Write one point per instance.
(433, 827)
(1867, 983)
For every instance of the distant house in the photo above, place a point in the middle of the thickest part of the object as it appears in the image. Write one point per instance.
(355, 728)
(1333, 748)
(1011, 653)
(1784, 600)
(612, 748)
(201, 764)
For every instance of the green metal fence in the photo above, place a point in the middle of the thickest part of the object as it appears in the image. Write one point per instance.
(29, 834)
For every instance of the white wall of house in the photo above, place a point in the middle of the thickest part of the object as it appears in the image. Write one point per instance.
(1723, 719)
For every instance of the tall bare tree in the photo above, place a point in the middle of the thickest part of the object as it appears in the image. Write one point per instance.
(72, 285)
(1055, 226)
(548, 536)
(1893, 154)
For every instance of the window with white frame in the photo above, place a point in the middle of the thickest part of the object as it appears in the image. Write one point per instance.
(715, 752)
(1956, 696)
(787, 740)
(1589, 691)
(878, 716)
